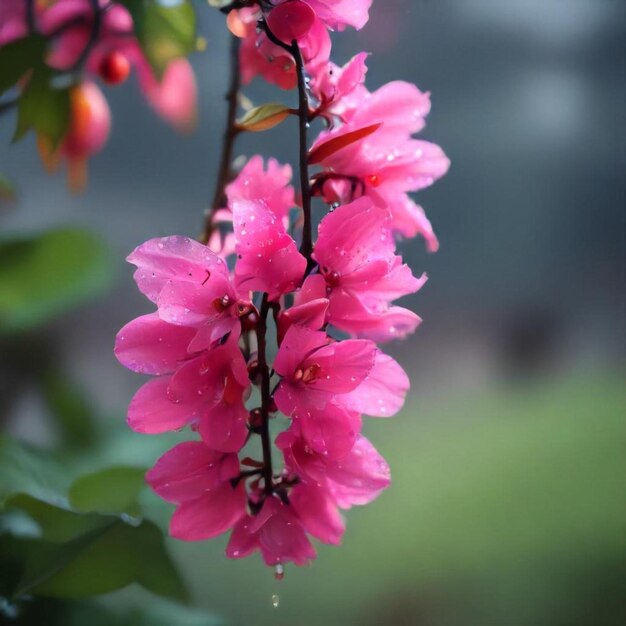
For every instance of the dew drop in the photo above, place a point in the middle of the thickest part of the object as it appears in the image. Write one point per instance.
(275, 600)
(279, 571)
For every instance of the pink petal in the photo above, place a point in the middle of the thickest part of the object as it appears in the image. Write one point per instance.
(331, 432)
(224, 427)
(313, 288)
(268, 259)
(318, 513)
(270, 186)
(401, 106)
(344, 365)
(282, 538)
(383, 392)
(340, 13)
(152, 411)
(210, 515)
(148, 345)
(193, 303)
(298, 343)
(291, 20)
(189, 470)
(174, 98)
(310, 314)
(242, 542)
(351, 235)
(180, 258)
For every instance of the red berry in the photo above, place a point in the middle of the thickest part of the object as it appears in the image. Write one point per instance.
(115, 68)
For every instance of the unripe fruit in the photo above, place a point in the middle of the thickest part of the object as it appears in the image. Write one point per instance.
(114, 68)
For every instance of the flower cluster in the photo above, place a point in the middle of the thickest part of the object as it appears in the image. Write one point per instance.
(89, 40)
(265, 320)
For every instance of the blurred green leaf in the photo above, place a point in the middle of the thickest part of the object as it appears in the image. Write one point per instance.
(17, 58)
(44, 275)
(25, 471)
(264, 117)
(107, 558)
(113, 490)
(80, 555)
(56, 523)
(165, 33)
(43, 108)
(58, 550)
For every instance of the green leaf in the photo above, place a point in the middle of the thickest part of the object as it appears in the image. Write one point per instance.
(44, 275)
(102, 560)
(165, 33)
(263, 117)
(56, 523)
(19, 57)
(23, 470)
(220, 4)
(113, 490)
(43, 108)
(80, 555)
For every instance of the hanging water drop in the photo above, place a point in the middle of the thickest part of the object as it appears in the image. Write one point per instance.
(279, 571)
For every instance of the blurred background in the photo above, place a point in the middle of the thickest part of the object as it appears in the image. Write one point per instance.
(507, 506)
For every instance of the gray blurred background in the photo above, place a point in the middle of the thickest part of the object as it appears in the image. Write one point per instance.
(503, 510)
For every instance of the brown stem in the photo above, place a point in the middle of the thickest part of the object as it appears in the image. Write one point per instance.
(230, 133)
(266, 397)
(306, 247)
(93, 35)
(30, 16)
(304, 116)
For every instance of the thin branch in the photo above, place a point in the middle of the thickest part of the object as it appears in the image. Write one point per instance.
(94, 35)
(30, 16)
(266, 397)
(306, 247)
(230, 133)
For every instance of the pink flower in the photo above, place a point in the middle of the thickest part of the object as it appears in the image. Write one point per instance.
(89, 127)
(318, 371)
(360, 273)
(267, 257)
(269, 185)
(334, 86)
(335, 14)
(13, 24)
(388, 163)
(326, 385)
(206, 391)
(356, 478)
(311, 314)
(279, 530)
(191, 286)
(198, 481)
(276, 532)
(173, 97)
(261, 57)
